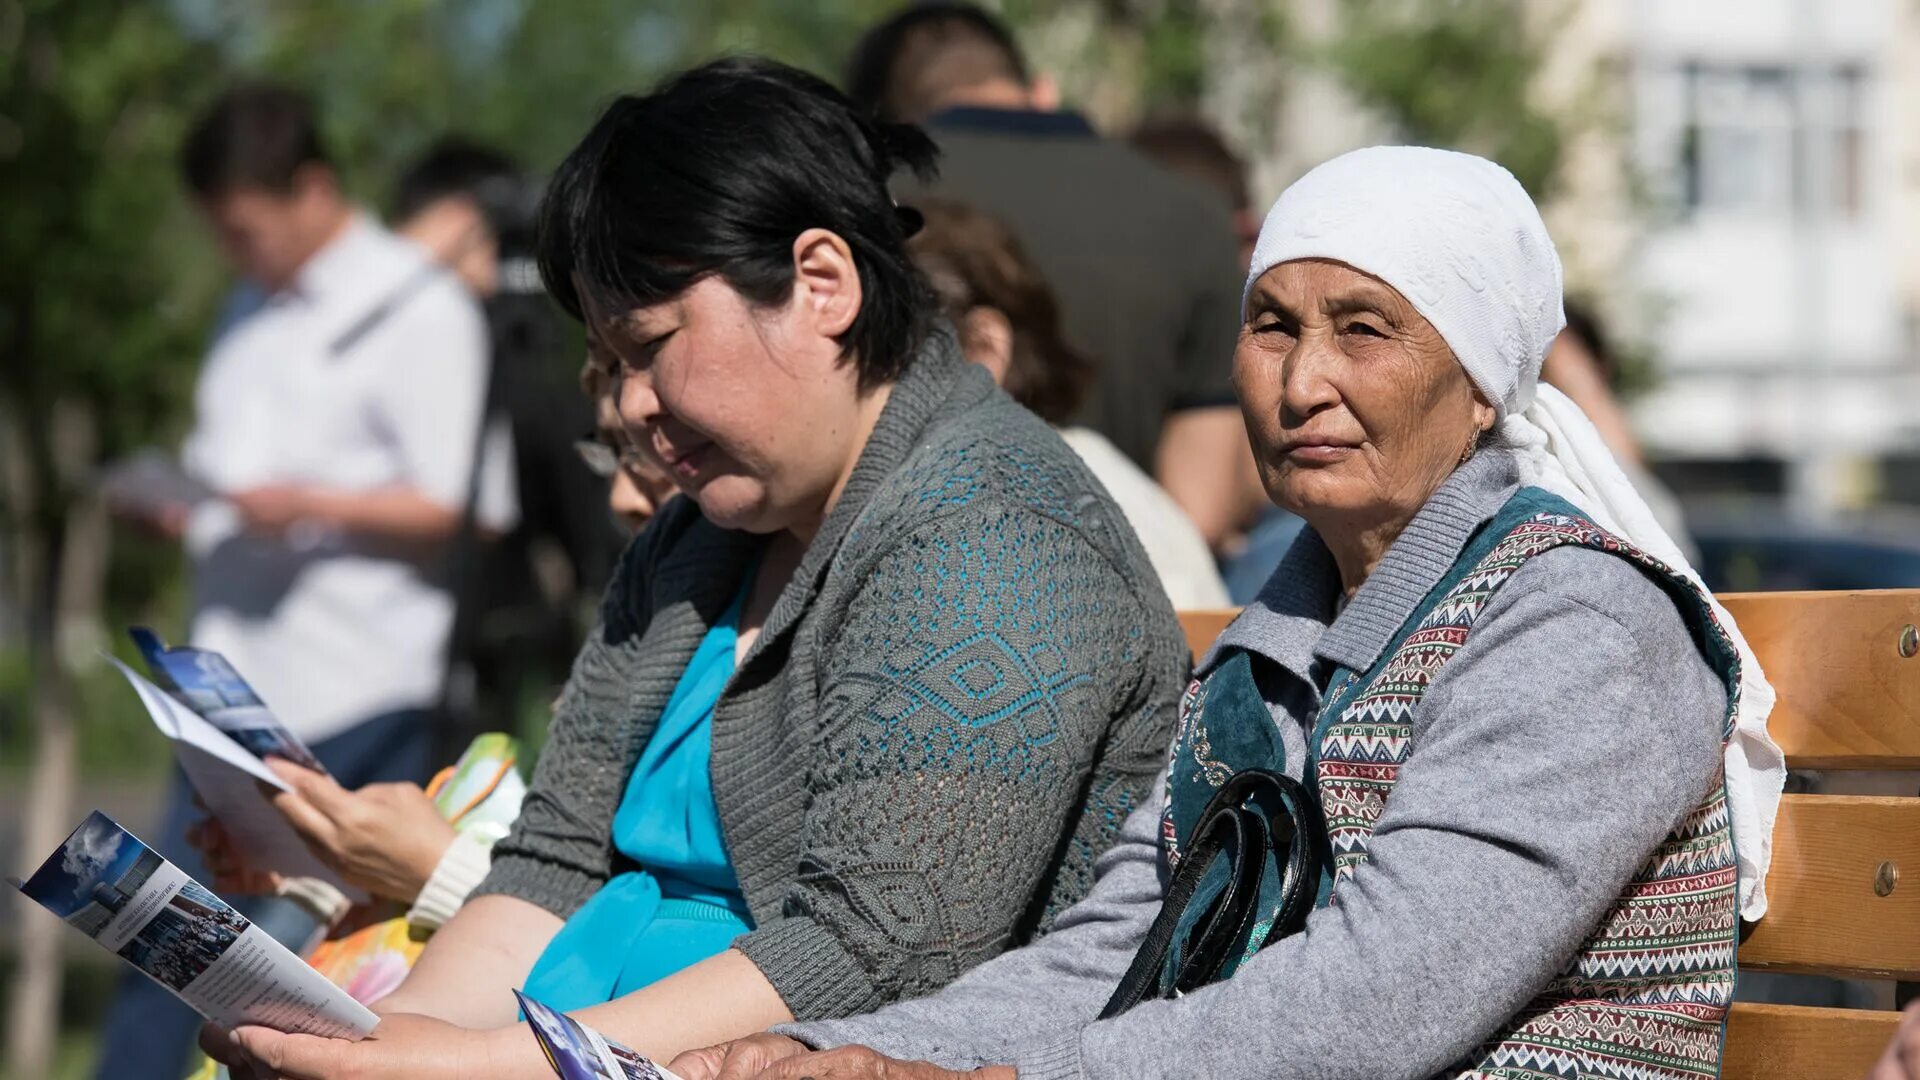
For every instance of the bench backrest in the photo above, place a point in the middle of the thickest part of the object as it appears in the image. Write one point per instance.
(1844, 890)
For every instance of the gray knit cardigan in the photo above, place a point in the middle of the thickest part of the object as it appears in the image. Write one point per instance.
(967, 686)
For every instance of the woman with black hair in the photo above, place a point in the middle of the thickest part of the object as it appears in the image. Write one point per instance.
(865, 702)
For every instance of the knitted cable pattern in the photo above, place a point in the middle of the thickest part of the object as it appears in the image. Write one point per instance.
(967, 686)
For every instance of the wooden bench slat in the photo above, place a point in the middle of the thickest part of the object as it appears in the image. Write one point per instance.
(1823, 915)
(1848, 699)
(1203, 626)
(1791, 1042)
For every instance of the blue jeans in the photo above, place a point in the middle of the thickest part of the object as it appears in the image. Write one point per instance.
(149, 1034)
(1267, 543)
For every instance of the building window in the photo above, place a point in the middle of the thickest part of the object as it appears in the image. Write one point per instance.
(1768, 139)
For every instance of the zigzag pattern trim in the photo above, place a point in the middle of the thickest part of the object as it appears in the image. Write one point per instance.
(1647, 995)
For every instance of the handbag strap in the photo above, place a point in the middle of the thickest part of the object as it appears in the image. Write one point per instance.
(1239, 825)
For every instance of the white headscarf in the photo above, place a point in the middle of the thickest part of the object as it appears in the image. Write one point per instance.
(1460, 239)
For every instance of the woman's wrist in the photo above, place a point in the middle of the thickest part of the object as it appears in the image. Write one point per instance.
(506, 1053)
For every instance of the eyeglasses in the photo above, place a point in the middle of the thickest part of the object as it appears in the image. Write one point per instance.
(605, 457)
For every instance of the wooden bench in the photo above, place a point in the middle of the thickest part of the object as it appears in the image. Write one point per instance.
(1844, 889)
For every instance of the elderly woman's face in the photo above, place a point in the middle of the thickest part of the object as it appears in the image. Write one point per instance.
(1356, 406)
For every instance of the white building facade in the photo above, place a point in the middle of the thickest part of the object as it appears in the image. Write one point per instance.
(1777, 141)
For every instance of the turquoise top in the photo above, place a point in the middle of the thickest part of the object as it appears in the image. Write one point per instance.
(681, 902)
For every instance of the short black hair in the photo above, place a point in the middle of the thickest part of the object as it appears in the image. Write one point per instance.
(459, 167)
(901, 67)
(255, 135)
(716, 172)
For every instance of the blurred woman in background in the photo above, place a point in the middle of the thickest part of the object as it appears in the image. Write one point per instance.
(1009, 323)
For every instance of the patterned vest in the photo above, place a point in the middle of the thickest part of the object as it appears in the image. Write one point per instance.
(1646, 997)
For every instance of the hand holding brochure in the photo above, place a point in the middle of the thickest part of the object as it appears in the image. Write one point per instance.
(578, 1052)
(221, 732)
(108, 885)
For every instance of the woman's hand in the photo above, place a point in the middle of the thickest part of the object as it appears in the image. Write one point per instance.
(776, 1057)
(1902, 1059)
(385, 838)
(403, 1047)
(231, 871)
(273, 508)
(740, 1058)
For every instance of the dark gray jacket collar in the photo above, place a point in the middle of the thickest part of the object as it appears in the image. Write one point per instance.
(1293, 621)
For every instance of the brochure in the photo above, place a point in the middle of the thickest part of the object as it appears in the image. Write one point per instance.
(578, 1052)
(150, 483)
(480, 794)
(206, 683)
(111, 887)
(224, 772)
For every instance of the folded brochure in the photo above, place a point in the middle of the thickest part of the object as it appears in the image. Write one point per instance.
(116, 890)
(222, 733)
(205, 682)
(578, 1052)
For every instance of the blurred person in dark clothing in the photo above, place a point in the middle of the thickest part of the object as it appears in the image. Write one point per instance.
(337, 421)
(522, 595)
(1143, 260)
(1190, 146)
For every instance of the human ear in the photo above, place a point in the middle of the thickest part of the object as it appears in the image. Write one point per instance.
(826, 282)
(1484, 415)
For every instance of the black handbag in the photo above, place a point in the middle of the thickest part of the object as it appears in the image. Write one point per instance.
(1258, 820)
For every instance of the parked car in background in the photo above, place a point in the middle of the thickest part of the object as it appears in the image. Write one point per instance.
(1752, 546)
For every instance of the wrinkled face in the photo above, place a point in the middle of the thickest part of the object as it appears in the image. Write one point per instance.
(750, 411)
(1355, 405)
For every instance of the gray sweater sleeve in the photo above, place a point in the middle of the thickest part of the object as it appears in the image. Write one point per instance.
(985, 662)
(1576, 728)
(1029, 995)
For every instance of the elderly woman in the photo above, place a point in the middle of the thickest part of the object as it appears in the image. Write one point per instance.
(867, 700)
(1521, 724)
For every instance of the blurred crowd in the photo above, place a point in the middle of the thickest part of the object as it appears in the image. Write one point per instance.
(409, 480)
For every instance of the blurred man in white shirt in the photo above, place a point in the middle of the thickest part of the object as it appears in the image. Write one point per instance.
(338, 419)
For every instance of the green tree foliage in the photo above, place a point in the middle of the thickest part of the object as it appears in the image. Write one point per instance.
(1453, 73)
(392, 75)
(106, 287)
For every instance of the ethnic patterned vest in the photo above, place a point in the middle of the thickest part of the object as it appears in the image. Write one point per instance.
(1646, 997)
